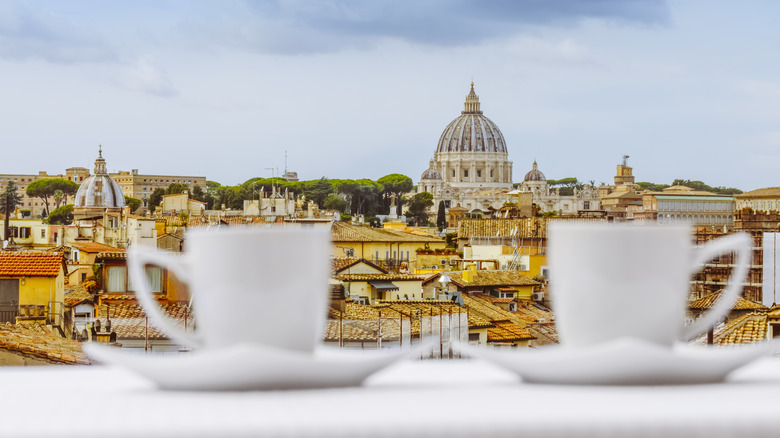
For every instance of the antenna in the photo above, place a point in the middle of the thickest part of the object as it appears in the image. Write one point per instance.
(285, 163)
(625, 160)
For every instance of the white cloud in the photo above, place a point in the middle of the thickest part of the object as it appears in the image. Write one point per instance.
(146, 77)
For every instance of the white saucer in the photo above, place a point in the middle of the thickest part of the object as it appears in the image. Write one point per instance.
(623, 362)
(249, 367)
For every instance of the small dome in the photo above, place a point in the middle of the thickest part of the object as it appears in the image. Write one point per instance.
(431, 172)
(471, 131)
(535, 174)
(99, 190)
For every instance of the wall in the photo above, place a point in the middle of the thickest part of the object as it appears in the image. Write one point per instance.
(413, 289)
(13, 358)
(368, 250)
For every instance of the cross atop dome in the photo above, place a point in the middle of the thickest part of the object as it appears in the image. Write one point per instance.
(472, 103)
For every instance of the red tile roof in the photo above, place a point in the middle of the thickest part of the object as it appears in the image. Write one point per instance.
(93, 247)
(39, 341)
(30, 264)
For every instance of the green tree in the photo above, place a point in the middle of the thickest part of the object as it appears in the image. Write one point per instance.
(177, 188)
(9, 199)
(418, 208)
(155, 199)
(45, 187)
(198, 194)
(133, 203)
(212, 189)
(316, 191)
(366, 198)
(58, 197)
(335, 202)
(652, 186)
(62, 215)
(395, 184)
(698, 185)
(441, 218)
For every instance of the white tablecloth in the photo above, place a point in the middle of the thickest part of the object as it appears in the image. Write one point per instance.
(450, 398)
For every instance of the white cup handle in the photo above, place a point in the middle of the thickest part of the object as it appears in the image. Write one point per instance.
(137, 259)
(741, 244)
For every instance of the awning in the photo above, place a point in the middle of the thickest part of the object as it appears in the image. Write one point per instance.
(383, 286)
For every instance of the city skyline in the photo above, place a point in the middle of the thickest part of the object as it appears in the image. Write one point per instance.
(351, 90)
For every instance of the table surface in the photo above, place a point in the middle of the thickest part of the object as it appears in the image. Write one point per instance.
(446, 398)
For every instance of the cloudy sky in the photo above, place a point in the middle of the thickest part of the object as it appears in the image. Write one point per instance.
(359, 89)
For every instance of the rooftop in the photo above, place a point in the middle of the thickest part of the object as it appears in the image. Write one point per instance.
(707, 301)
(30, 264)
(39, 341)
(344, 232)
(767, 192)
(487, 278)
(92, 247)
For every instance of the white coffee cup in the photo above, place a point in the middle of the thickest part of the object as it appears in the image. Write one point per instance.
(254, 285)
(610, 281)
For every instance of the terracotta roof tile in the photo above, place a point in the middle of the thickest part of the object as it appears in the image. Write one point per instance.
(766, 192)
(93, 247)
(707, 301)
(493, 278)
(526, 228)
(748, 328)
(508, 332)
(343, 232)
(343, 263)
(385, 277)
(39, 341)
(30, 263)
(507, 326)
(77, 297)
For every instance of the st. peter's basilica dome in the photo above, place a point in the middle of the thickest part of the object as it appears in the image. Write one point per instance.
(472, 131)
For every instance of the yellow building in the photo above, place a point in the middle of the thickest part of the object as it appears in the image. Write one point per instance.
(500, 284)
(386, 248)
(372, 287)
(32, 287)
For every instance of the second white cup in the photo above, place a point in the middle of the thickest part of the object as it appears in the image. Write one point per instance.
(610, 281)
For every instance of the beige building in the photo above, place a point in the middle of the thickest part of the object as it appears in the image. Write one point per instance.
(760, 200)
(623, 199)
(683, 205)
(132, 184)
(547, 199)
(140, 186)
(35, 205)
(180, 202)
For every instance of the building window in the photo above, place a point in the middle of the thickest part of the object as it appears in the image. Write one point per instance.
(466, 173)
(479, 174)
(453, 172)
(43, 234)
(586, 205)
(25, 232)
(116, 279)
